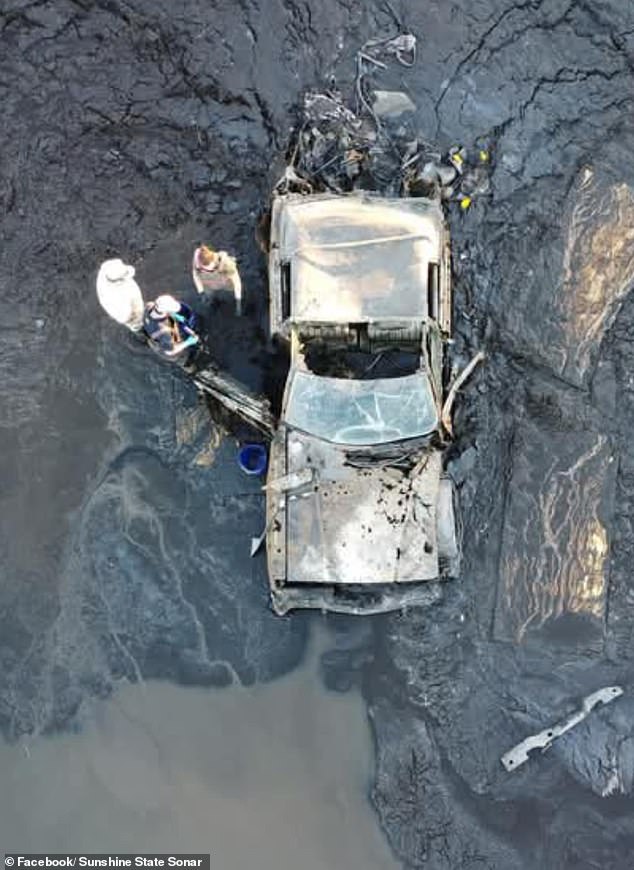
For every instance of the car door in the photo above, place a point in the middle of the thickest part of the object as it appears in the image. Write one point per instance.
(236, 398)
(433, 350)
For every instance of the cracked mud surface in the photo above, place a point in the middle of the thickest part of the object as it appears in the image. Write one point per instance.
(136, 129)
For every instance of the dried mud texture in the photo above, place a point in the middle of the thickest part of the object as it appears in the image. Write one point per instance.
(136, 129)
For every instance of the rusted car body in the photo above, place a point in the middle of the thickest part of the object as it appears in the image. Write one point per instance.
(360, 517)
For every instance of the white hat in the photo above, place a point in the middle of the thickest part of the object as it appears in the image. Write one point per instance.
(166, 305)
(119, 294)
(117, 270)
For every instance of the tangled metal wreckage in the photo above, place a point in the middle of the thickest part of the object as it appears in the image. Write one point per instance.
(375, 145)
(360, 514)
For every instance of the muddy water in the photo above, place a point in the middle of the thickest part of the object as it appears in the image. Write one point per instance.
(274, 776)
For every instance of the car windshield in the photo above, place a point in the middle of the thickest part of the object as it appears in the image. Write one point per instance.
(362, 412)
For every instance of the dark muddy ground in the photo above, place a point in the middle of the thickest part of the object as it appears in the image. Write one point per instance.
(136, 129)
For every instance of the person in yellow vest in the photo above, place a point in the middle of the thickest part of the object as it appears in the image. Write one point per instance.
(216, 270)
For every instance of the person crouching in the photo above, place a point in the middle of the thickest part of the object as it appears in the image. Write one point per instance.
(170, 326)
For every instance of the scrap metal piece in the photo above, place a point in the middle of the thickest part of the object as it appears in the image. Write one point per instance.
(520, 753)
(292, 481)
(402, 47)
(291, 182)
(252, 409)
(453, 391)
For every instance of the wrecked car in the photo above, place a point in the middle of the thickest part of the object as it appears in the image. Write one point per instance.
(360, 515)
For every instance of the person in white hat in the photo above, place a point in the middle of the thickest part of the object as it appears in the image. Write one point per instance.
(119, 294)
(170, 326)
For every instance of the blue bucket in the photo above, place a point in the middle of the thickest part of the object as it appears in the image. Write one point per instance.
(252, 458)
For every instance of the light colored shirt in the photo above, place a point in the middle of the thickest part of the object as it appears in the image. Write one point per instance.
(222, 274)
(122, 300)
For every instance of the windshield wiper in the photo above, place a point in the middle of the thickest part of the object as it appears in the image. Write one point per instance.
(393, 455)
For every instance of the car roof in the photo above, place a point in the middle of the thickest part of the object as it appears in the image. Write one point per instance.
(359, 258)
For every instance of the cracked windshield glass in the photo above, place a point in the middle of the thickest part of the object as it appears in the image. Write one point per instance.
(362, 412)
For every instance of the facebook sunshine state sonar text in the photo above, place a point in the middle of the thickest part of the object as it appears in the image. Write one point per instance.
(196, 862)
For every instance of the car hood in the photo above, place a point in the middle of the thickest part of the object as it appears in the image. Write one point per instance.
(360, 525)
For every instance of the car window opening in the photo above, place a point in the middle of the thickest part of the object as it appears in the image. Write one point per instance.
(285, 269)
(324, 359)
(433, 290)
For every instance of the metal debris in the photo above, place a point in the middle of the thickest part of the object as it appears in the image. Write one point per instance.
(372, 143)
(291, 482)
(342, 147)
(453, 391)
(517, 756)
(252, 409)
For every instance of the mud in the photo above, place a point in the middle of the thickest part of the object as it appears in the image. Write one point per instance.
(137, 129)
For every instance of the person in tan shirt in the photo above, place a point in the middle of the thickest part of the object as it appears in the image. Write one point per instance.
(216, 270)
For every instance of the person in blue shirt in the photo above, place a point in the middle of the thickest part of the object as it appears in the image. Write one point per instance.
(170, 326)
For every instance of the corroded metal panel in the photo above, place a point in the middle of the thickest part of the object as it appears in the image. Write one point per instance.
(370, 525)
(359, 258)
